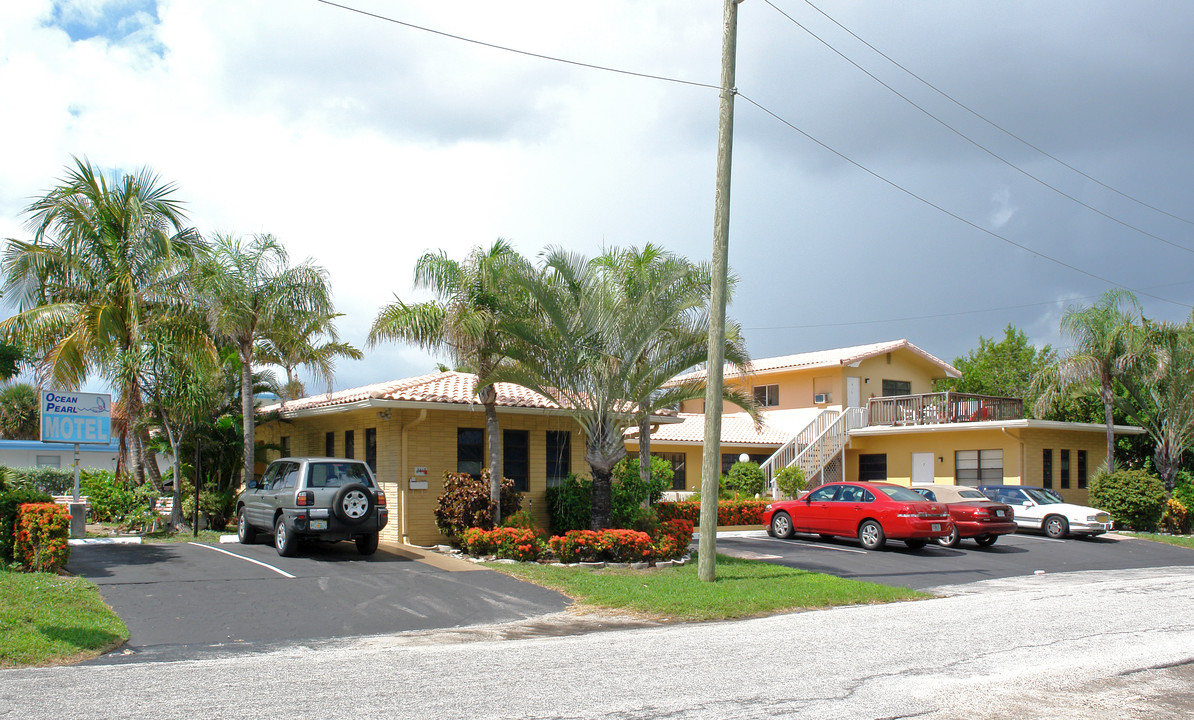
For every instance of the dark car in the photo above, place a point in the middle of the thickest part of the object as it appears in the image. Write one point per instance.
(873, 512)
(325, 499)
(974, 514)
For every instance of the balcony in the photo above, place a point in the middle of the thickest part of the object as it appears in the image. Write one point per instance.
(942, 407)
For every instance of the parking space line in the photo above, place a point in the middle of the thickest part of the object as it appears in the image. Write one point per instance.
(1034, 537)
(816, 546)
(242, 557)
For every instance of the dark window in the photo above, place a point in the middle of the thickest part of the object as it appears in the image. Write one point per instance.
(329, 444)
(371, 448)
(470, 450)
(516, 458)
(559, 456)
(350, 444)
(1081, 469)
(891, 388)
(728, 460)
(1047, 472)
(825, 494)
(285, 443)
(1065, 469)
(872, 467)
(767, 395)
(680, 477)
(978, 467)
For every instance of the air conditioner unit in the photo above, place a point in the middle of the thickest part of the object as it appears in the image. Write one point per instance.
(821, 398)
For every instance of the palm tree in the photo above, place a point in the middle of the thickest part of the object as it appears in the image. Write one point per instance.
(307, 339)
(251, 289)
(107, 256)
(19, 418)
(472, 299)
(1106, 346)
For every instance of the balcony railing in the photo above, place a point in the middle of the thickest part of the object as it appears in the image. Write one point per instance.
(943, 407)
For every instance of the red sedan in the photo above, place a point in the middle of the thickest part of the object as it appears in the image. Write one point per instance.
(870, 511)
(974, 514)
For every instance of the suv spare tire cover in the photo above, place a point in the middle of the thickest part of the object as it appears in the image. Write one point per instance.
(348, 502)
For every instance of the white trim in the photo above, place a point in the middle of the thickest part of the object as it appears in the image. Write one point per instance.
(995, 425)
(371, 403)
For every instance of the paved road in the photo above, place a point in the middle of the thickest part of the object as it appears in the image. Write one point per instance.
(180, 600)
(1110, 645)
(1013, 555)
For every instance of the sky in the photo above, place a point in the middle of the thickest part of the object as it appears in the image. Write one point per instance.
(931, 170)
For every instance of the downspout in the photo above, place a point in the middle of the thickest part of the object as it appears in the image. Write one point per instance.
(403, 487)
(1020, 469)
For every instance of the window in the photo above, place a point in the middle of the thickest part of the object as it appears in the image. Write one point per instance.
(350, 444)
(1065, 469)
(516, 458)
(469, 450)
(371, 448)
(49, 461)
(1047, 468)
(728, 460)
(1081, 469)
(559, 456)
(680, 477)
(872, 467)
(767, 395)
(284, 442)
(329, 444)
(825, 494)
(978, 467)
(891, 388)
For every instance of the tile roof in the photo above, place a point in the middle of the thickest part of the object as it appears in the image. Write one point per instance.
(451, 388)
(835, 357)
(736, 429)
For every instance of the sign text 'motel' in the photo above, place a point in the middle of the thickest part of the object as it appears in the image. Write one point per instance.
(70, 417)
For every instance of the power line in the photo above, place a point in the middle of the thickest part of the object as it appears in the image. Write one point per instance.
(954, 215)
(975, 143)
(516, 50)
(993, 124)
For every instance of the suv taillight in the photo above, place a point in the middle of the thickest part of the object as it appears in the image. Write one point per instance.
(381, 499)
(304, 498)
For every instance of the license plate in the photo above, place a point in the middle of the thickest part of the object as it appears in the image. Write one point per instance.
(936, 527)
(998, 513)
(319, 524)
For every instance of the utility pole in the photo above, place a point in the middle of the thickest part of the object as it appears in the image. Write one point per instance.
(711, 457)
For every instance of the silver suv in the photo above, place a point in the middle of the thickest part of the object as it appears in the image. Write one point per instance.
(325, 499)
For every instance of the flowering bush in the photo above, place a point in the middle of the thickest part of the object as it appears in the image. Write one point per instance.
(671, 539)
(731, 512)
(1176, 520)
(515, 543)
(41, 538)
(598, 545)
(465, 502)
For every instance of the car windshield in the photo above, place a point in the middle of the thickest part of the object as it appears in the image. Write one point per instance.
(902, 494)
(1043, 496)
(338, 474)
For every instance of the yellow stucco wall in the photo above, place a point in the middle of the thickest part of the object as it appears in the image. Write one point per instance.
(693, 457)
(429, 443)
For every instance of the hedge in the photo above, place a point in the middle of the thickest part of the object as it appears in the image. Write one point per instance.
(729, 512)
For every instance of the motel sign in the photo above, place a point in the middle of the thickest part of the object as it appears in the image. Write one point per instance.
(72, 417)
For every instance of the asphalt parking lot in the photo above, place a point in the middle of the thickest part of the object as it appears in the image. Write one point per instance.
(933, 566)
(183, 600)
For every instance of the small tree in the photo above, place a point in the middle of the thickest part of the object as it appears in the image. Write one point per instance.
(745, 478)
(1135, 498)
(790, 480)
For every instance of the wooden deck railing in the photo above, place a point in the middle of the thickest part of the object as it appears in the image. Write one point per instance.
(943, 407)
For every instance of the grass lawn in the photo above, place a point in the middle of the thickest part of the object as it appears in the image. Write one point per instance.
(50, 620)
(744, 588)
(1181, 540)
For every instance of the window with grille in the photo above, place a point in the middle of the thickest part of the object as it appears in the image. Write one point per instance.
(978, 467)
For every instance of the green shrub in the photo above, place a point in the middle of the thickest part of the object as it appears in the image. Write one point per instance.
(50, 480)
(745, 479)
(1183, 489)
(790, 481)
(1135, 498)
(628, 492)
(729, 512)
(1176, 520)
(521, 519)
(465, 503)
(9, 502)
(111, 499)
(216, 507)
(570, 504)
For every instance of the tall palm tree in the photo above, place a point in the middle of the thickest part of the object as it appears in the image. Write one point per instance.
(305, 340)
(465, 319)
(250, 288)
(108, 255)
(1106, 345)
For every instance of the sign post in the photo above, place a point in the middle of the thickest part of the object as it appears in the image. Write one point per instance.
(76, 418)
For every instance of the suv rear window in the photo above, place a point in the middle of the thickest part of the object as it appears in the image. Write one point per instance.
(338, 474)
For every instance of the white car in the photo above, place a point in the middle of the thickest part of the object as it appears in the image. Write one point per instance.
(1043, 509)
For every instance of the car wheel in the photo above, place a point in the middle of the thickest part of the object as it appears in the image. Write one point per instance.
(245, 532)
(781, 525)
(284, 541)
(367, 544)
(870, 534)
(915, 544)
(950, 540)
(353, 504)
(986, 540)
(1056, 526)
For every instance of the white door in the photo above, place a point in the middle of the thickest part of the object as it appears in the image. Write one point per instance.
(922, 468)
(853, 392)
